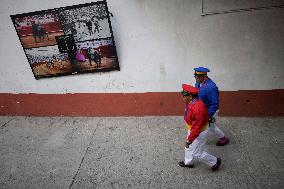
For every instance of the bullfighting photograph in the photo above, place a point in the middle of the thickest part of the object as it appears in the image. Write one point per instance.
(68, 40)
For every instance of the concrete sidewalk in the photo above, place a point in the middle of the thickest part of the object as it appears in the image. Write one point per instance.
(135, 152)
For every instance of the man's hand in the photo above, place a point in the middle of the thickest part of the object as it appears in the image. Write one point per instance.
(187, 144)
(211, 120)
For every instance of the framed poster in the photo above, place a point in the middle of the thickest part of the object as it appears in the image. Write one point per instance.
(68, 40)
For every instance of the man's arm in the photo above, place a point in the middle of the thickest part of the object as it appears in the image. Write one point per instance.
(214, 102)
(196, 126)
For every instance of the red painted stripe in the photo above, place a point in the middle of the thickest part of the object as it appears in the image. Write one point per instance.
(252, 103)
(232, 103)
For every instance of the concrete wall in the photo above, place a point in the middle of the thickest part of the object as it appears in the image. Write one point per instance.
(159, 42)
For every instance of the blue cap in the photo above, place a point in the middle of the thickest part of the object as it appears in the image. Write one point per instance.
(201, 71)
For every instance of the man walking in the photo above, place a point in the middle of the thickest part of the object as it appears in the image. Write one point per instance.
(89, 25)
(196, 120)
(209, 94)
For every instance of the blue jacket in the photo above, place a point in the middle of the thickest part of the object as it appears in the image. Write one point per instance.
(209, 94)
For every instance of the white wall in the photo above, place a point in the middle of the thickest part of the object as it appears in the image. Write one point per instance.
(159, 42)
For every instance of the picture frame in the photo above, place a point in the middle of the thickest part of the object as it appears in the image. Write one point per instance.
(68, 40)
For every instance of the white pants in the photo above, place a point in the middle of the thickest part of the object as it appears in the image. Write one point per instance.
(215, 129)
(195, 150)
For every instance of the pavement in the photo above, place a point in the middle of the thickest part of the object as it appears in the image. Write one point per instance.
(136, 152)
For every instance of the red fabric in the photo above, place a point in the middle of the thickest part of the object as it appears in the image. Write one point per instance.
(190, 89)
(197, 117)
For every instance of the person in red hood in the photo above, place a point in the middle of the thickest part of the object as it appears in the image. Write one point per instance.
(196, 120)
